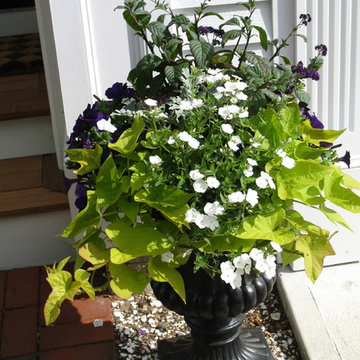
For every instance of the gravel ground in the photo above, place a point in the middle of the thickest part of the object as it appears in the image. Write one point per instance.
(142, 320)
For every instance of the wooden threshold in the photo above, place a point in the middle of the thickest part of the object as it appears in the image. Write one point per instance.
(31, 201)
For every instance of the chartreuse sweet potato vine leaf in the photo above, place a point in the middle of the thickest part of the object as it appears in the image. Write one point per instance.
(340, 195)
(125, 281)
(64, 288)
(86, 218)
(137, 241)
(333, 216)
(118, 258)
(316, 136)
(95, 256)
(302, 182)
(265, 227)
(313, 242)
(89, 159)
(169, 200)
(162, 272)
(127, 142)
(315, 248)
(108, 186)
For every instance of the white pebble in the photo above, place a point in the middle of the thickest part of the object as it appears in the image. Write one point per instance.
(275, 316)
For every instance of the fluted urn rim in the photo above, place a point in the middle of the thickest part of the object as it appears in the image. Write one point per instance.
(211, 298)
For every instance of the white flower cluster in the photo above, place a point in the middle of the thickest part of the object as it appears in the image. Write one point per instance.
(200, 185)
(189, 105)
(228, 112)
(249, 170)
(265, 180)
(186, 137)
(214, 75)
(234, 142)
(238, 197)
(232, 272)
(286, 160)
(203, 220)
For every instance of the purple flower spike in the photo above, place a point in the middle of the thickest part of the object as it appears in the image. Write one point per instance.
(346, 158)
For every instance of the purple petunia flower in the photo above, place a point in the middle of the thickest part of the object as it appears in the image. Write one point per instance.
(325, 144)
(314, 121)
(81, 196)
(346, 158)
(119, 91)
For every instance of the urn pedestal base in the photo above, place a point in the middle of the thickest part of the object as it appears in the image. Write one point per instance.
(250, 344)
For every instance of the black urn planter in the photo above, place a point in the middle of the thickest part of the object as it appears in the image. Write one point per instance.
(214, 312)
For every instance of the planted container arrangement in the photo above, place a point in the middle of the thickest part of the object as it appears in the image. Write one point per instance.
(187, 178)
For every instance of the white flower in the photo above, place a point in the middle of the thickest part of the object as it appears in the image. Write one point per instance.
(288, 162)
(220, 89)
(256, 254)
(240, 262)
(227, 128)
(213, 182)
(234, 100)
(155, 160)
(193, 143)
(199, 221)
(210, 221)
(270, 270)
(241, 96)
(228, 111)
(191, 215)
(150, 102)
(171, 140)
(218, 95)
(281, 153)
(249, 171)
(252, 162)
(167, 257)
(244, 114)
(200, 186)
(276, 246)
(185, 105)
(261, 265)
(197, 103)
(236, 197)
(252, 197)
(261, 182)
(237, 281)
(213, 208)
(196, 175)
(213, 71)
(255, 144)
(233, 146)
(227, 272)
(236, 139)
(269, 179)
(106, 125)
(184, 136)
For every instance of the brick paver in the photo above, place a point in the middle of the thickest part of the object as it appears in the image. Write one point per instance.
(84, 310)
(22, 288)
(72, 337)
(19, 330)
(103, 351)
(72, 334)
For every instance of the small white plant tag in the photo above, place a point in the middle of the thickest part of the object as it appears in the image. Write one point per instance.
(98, 323)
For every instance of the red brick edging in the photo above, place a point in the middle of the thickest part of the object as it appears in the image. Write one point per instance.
(24, 336)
